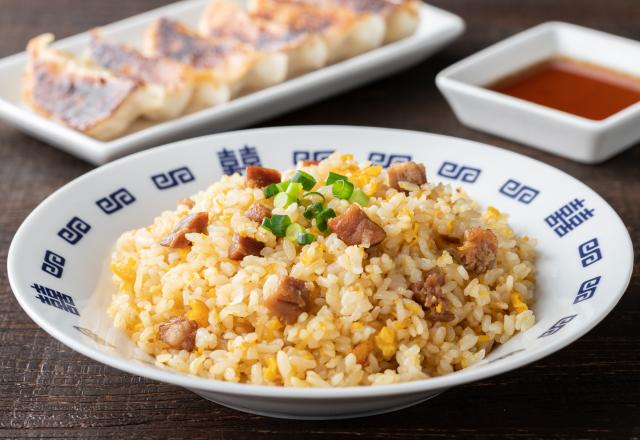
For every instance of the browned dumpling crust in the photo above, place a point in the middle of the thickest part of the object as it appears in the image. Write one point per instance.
(78, 94)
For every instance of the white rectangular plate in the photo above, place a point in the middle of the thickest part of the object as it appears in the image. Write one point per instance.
(437, 28)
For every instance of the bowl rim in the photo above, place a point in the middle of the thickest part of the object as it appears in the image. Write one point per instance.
(413, 387)
(445, 78)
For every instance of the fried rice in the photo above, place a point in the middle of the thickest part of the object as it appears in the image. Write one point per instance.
(365, 326)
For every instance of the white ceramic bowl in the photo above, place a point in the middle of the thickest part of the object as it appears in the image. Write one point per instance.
(437, 29)
(585, 254)
(584, 140)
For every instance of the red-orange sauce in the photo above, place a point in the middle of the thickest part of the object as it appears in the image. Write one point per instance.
(584, 89)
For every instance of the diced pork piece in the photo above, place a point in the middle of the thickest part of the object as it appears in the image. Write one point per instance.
(361, 352)
(290, 299)
(258, 212)
(308, 163)
(187, 202)
(354, 227)
(446, 242)
(429, 292)
(429, 295)
(479, 250)
(179, 333)
(242, 246)
(196, 222)
(410, 172)
(444, 316)
(375, 251)
(259, 177)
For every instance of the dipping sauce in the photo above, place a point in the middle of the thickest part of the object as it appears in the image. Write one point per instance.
(584, 89)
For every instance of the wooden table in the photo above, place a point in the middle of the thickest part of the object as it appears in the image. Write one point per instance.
(590, 389)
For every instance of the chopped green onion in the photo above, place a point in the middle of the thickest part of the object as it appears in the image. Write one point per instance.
(283, 199)
(305, 238)
(305, 179)
(266, 223)
(321, 219)
(334, 177)
(271, 190)
(342, 189)
(294, 189)
(313, 210)
(293, 231)
(359, 197)
(282, 186)
(279, 224)
(313, 194)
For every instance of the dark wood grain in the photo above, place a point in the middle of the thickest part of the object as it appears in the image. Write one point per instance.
(589, 390)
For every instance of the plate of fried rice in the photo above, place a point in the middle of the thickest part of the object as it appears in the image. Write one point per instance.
(320, 272)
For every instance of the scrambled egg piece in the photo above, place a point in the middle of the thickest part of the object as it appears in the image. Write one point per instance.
(270, 372)
(271, 327)
(125, 270)
(413, 308)
(361, 178)
(386, 342)
(199, 312)
(492, 213)
(372, 171)
(518, 305)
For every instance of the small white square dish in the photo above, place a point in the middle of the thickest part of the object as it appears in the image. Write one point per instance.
(436, 29)
(465, 86)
